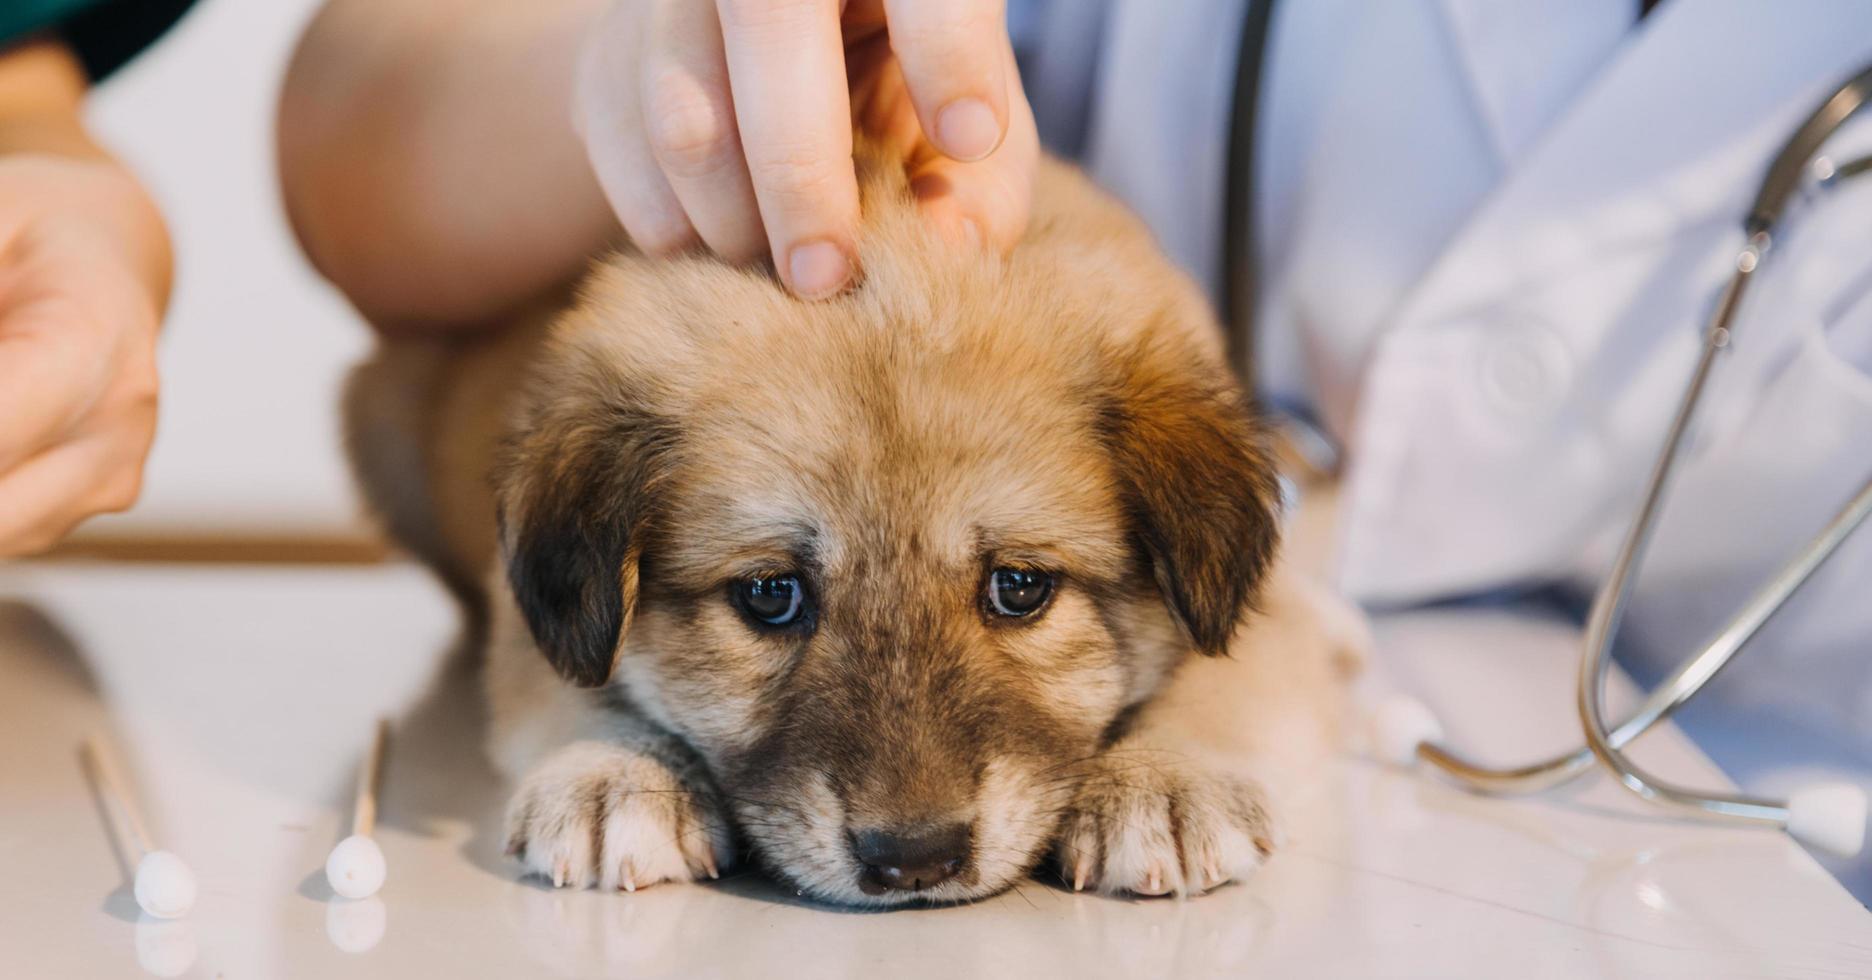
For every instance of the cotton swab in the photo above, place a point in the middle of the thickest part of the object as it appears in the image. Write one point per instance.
(165, 947)
(164, 886)
(355, 868)
(356, 926)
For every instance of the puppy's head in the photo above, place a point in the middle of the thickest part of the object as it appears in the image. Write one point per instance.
(896, 563)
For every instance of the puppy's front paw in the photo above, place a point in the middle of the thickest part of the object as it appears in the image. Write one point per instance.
(1154, 823)
(597, 814)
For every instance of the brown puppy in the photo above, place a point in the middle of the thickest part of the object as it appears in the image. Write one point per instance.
(904, 589)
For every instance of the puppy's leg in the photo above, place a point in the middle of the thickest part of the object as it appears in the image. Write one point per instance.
(390, 403)
(606, 799)
(1188, 798)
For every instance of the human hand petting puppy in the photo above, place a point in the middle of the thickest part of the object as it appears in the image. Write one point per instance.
(446, 164)
(730, 124)
(84, 275)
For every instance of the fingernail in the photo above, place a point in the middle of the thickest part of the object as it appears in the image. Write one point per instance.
(967, 129)
(818, 269)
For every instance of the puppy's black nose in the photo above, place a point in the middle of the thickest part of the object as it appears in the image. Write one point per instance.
(909, 861)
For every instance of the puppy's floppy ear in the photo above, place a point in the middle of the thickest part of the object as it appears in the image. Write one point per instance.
(1199, 483)
(576, 489)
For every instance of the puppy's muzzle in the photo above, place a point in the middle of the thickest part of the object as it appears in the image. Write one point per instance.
(912, 860)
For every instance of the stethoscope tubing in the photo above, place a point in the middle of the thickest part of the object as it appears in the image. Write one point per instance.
(1785, 175)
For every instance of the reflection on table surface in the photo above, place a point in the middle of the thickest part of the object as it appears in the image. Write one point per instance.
(241, 699)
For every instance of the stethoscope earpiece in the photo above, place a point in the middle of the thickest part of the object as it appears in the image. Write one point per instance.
(1830, 817)
(1398, 725)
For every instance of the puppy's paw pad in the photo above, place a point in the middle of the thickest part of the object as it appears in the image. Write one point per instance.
(1159, 825)
(600, 815)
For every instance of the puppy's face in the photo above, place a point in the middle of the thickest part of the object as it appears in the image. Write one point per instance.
(893, 565)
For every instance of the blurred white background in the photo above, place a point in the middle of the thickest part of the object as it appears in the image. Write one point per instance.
(256, 344)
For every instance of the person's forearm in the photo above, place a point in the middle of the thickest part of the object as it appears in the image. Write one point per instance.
(42, 90)
(428, 160)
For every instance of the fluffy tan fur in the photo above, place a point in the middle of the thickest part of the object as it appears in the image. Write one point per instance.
(598, 477)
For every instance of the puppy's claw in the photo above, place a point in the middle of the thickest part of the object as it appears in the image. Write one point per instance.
(629, 876)
(1153, 883)
(1079, 875)
(708, 866)
(562, 870)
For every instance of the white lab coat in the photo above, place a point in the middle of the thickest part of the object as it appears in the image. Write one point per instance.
(1490, 231)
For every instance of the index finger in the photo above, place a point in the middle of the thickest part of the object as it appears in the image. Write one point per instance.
(951, 56)
(786, 72)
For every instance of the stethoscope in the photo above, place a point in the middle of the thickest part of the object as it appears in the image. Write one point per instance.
(1829, 816)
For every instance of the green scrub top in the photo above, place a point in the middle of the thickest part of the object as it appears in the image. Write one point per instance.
(104, 33)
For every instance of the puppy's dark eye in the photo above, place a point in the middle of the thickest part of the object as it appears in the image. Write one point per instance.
(777, 600)
(1018, 592)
